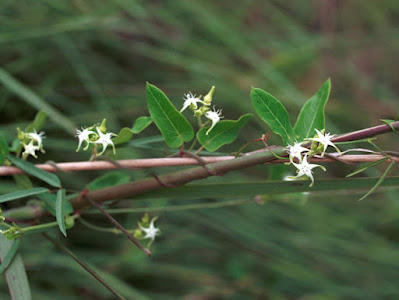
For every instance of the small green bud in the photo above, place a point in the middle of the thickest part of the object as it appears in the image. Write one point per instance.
(208, 97)
(103, 127)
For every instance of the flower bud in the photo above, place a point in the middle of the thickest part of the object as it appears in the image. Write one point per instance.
(208, 97)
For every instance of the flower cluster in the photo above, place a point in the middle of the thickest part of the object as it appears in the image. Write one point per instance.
(300, 155)
(32, 142)
(191, 101)
(95, 135)
(146, 229)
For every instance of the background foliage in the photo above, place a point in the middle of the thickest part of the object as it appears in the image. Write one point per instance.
(91, 59)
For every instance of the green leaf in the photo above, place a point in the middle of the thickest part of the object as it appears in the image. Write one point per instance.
(124, 136)
(224, 132)
(4, 150)
(173, 125)
(109, 179)
(38, 122)
(31, 169)
(9, 256)
(389, 122)
(311, 115)
(141, 123)
(273, 112)
(22, 194)
(49, 202)
(60, 211)
(366, 166)
(15, 274)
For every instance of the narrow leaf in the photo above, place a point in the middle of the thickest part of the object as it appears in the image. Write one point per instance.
(273, 112)
(173, 125)
(15, 274)
(366, 166)
(389, 122)
(380, 181)
(9, 256)
(60, 211)
(141, 123)
(224, 132)
(109, 179)
(31, 169)
(38, 122)
(311, 115)
(22, 194)
(123, 136)
(4, 150)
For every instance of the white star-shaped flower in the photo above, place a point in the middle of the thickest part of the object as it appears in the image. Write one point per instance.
(191, 100)
(83, 135)
(105, 140)
(325, 140)
(30, 149)
(38, 137)
(296, 151)
(214, 116)
(305, 168)
(151, 232)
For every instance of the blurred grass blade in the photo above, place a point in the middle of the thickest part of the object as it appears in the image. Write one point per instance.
(60, 211)
(380, 181)
(22, 194)
(311, 115)
(4, 150)
(273, 113)
(10, 255)
(31, 169)
(15, 274)
(30, 97)
(173, 125)
(366, 166)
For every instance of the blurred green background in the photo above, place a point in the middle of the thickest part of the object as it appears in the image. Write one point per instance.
(91, 60)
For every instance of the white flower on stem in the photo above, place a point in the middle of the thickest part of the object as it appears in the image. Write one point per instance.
(30, 149)
(151, 232)
(214, 116)
(305, 168)
(38, 137)
(84, 135)
(191, 101)
(325, 140)
(105, 140)
(296, 151)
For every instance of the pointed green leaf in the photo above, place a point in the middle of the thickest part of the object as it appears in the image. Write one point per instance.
(173, 125)
(60, 211)
(31, 169)
(15, 274)
(49, 202)
(22, 194)
(311, 115)
(224, 132)
(123, 136)
(141, 123)
(38, 122)
(366, 166)
(4, 150)
(9, 256)
(273, 112)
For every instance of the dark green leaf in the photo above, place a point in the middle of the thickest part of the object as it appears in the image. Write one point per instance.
(173, 125)
(4, 150)
(273, 112)
(31, 169)
(9, 256)
(38, 122)
(311, 115)
(22, 194)
(124, 136)
(23, 181)
(16, 145)
(141, 123)
(224, 132)
(60, 211)
(109, 179)
(49, 202)
(15, 274)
